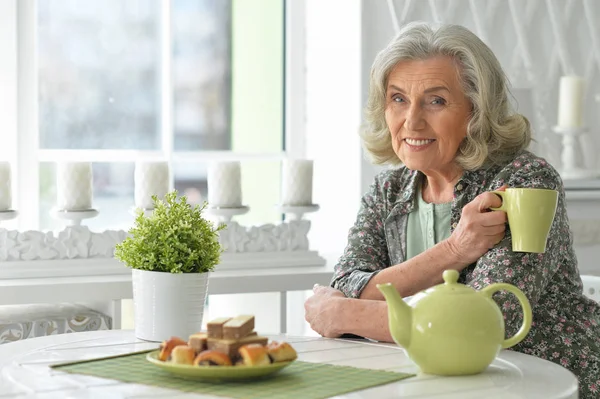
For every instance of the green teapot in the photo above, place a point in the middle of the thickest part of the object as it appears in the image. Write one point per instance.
(452, 329)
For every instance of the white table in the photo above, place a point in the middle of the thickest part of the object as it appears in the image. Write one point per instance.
(24, 371)
(111, 289)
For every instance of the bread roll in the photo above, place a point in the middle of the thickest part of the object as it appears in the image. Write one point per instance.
(254, 355)
(167, 346)
(281, 351)
(212, 358)
(182, 354)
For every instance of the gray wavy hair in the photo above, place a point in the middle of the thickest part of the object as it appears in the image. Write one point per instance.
(495, 133)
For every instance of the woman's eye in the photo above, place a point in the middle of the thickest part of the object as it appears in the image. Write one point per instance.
(398, 99)
(438, 101)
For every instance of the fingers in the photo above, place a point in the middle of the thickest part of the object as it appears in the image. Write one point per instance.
(322, 289)
(488, 200)
(496, 218)
(495, 231)
(499, 238)
(326, 291)
(319, 289)
(495, 240)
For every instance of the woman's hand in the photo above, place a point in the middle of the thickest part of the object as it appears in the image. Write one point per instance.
(479, 230)
(322, 311)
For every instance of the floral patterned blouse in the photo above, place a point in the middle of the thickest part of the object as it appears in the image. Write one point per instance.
(566, 324)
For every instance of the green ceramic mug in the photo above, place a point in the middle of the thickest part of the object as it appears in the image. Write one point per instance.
(530, 214)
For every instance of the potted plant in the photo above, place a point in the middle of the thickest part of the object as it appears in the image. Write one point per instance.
(171, 251)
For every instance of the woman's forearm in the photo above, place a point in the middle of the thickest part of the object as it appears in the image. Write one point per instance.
(365, 318)
(416, 274)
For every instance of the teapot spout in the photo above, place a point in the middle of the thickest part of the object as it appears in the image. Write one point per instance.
(399, 315)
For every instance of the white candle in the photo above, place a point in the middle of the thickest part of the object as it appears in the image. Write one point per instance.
(225, 185)
(74, 186)
(5, 193)
(297, 182)
(570, 101)
(150, 178)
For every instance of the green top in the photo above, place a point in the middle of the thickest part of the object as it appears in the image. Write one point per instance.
(427, 225)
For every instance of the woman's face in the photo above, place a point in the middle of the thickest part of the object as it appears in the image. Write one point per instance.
(427, 113)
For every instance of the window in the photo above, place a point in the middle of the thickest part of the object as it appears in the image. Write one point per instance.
(99, 74)
(268, 93)
(189, 81)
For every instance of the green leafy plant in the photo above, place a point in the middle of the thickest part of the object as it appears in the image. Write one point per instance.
(175, 238)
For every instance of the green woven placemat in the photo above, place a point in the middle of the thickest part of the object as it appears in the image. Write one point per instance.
(300, 379)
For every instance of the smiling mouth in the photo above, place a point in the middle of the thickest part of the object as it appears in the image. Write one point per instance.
(418, 143)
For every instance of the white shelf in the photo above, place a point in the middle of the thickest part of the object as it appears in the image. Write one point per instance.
(83, 267)
(115, 287)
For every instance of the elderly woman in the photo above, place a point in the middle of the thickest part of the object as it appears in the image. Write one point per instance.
(438, 104)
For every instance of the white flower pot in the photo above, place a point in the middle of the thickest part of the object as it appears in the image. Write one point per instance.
(167, 304)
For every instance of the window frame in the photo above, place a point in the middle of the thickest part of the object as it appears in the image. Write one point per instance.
(23, 137)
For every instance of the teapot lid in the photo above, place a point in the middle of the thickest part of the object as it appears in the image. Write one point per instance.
(451, 285)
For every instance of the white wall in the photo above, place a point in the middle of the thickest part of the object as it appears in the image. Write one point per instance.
(377, 31)
(333, 74)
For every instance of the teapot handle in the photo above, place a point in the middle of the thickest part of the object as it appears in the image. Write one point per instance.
(526, 326)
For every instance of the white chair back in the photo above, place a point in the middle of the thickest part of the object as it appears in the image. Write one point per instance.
(591, 287)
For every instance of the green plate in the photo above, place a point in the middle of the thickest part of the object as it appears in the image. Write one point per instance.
(216, 373)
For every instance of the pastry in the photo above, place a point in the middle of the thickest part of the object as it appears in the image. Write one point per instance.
(182, 354)
(281, 351)
(215, 327)
(254, 355)
(212, 358)
(167, 346)
(197, 342)
(238, 327)
(231, 346)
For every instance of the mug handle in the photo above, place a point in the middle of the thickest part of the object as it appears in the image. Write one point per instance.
(525, 305)
(501, 195)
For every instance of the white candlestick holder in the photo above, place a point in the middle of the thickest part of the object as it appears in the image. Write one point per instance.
(225, 214)
(8, 214)
(296, 212)
(73, 218)
(571, 156)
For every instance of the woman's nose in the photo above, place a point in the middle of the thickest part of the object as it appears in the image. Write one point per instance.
(414, 118)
